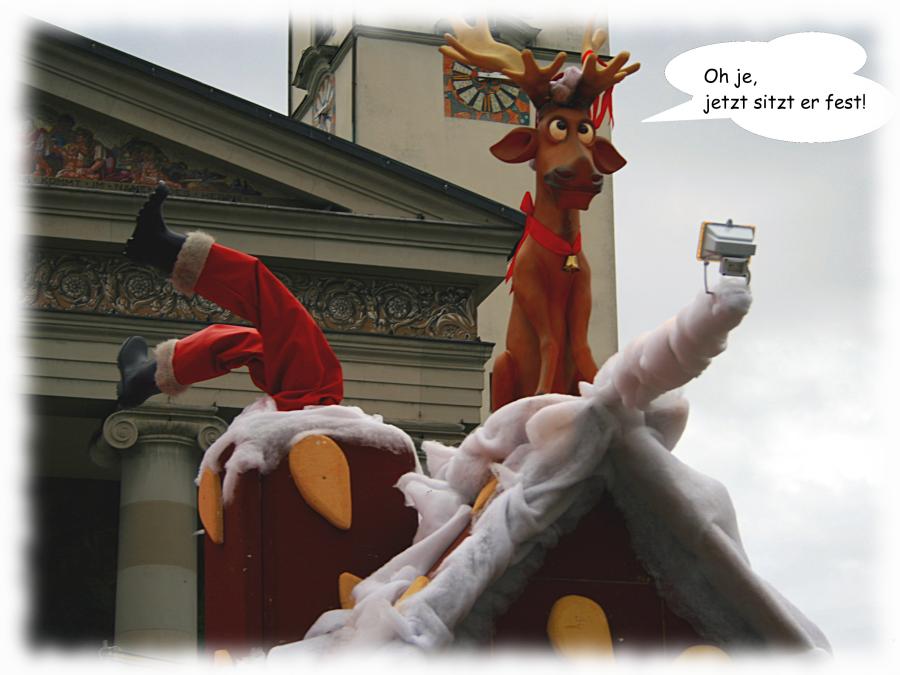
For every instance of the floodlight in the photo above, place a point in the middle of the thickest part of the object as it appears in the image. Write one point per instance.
(732, 245)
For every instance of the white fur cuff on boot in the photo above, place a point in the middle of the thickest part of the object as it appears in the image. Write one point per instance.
(190, 261)
(165, 371)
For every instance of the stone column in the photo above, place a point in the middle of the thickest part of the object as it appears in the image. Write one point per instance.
(156, 586)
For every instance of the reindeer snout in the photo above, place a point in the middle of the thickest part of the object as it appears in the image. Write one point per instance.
(574, 183)
(578, 175)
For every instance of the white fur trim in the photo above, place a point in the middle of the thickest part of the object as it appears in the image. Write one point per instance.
(190, 261)
(165, 372)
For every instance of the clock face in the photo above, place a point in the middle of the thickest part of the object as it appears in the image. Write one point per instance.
(475, 94)
(323, 104)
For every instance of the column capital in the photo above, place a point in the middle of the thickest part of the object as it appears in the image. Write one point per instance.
(181, 424)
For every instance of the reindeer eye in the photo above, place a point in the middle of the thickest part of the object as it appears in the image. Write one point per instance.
(558, 129)
(585, 133)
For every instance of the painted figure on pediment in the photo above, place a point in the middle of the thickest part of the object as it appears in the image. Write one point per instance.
(38, 149)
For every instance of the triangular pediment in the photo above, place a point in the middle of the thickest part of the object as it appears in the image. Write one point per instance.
(209, 141)
(74, 146)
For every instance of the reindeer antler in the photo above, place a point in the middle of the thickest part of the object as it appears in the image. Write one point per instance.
(592, 39)
(600, 74)
(476, 46)
(533, 79)
(597, 77)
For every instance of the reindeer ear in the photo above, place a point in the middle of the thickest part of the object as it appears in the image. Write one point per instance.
(519, 145)
(606, 157)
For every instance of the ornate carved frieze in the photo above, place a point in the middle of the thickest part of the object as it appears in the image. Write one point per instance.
(112, 285)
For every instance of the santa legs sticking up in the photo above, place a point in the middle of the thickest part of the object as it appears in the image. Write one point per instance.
(286, 352)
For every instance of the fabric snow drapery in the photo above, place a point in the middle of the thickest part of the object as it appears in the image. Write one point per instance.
(261, 437)
(287, 353)
(553, 455)
(542, 235)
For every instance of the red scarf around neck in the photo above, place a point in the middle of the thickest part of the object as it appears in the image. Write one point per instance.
(542, 235)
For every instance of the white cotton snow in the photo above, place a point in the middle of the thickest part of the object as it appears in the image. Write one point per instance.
(684, 530)
(680, 349)
(536, 486)
(553, 455)
(262, 436)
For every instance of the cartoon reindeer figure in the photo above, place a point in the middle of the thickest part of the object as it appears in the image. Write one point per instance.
(546, 342)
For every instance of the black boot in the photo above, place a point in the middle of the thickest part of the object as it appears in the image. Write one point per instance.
(152, 242)
(137, 373)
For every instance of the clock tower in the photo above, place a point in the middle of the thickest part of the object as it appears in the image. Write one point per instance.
(383, 84)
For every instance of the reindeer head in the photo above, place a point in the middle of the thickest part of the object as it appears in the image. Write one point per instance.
(568, 156)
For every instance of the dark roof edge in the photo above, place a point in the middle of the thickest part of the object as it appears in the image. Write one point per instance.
(142, 191)
(384, 163)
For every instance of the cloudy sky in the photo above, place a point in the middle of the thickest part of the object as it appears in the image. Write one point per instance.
(790, 418)
(786, 417)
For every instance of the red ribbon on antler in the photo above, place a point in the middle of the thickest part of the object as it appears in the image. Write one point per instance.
(543, 235)
(605, 107)
(602, 104)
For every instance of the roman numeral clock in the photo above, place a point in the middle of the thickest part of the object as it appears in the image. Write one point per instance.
(472, 93)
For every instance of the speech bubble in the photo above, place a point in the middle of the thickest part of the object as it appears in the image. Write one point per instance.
(800, 87)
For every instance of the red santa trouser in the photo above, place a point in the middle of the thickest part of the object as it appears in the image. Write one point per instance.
(287, 353)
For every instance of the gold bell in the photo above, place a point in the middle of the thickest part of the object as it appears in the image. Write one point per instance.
(571, 264)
